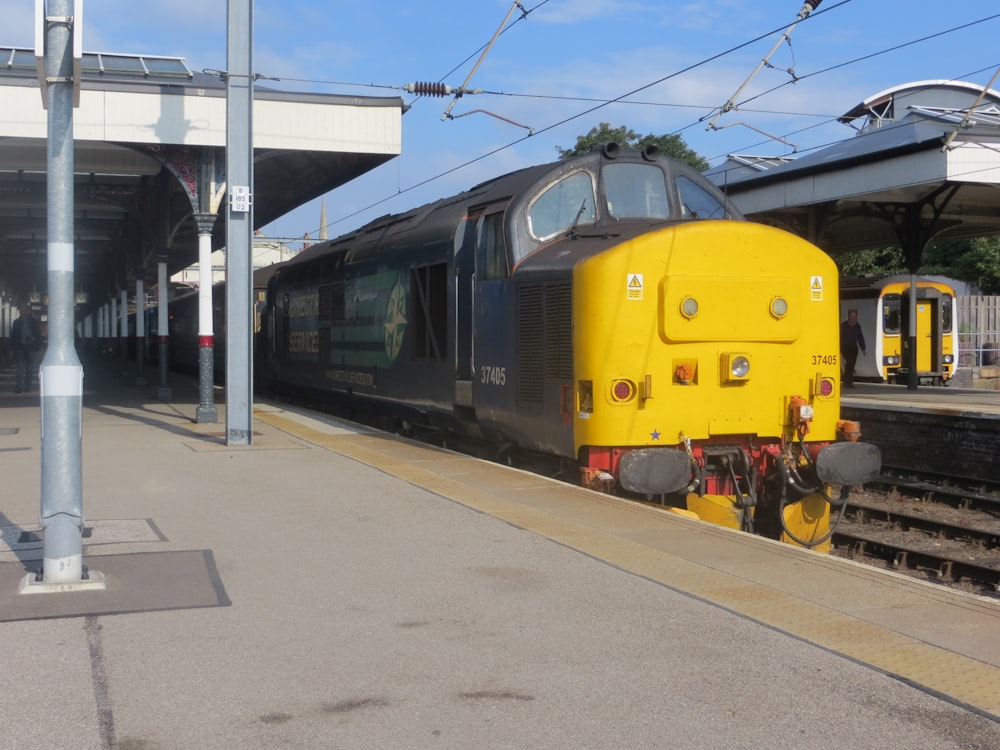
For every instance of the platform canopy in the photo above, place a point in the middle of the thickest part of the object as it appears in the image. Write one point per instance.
(149, 143)
(923, 166)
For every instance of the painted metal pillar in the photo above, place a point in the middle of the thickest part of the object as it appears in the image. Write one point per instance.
(61, 374)
(88, 335)
(163, 390)
(123, 339)
(110, 310)
(206, 413)
(140, 332)
(912, 377)
(239, 223)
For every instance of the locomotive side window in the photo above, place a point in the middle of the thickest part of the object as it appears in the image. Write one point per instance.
(698, 203)
(326, 303)
(636, 191)
(566, 204)
(429, 310)
(492, 252)
(891, 313)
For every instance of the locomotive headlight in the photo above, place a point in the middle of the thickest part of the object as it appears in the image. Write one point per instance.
(689, 307)
(736, 367)
(948, 359)
(892, 359)
(779, 307)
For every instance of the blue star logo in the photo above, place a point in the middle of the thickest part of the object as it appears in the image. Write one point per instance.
(655, 435)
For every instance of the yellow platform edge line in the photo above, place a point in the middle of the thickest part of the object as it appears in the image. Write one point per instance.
(964, 679)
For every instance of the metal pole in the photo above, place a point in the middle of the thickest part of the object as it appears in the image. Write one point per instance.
(163, 392)
(912, 377)
(206, 412)
(123, 339)
(140, 331)
(110, 309)
(61, 375)
(239, 222)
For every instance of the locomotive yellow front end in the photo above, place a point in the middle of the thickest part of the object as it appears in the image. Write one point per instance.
(707, 377)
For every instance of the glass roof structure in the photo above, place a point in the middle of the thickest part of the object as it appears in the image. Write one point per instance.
(103, 65)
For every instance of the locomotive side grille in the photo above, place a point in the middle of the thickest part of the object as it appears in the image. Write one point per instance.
(559, 332)
(530, 343)
(545, 338)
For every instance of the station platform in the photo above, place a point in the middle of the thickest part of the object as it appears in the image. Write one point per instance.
(331, 586)
(943, 400)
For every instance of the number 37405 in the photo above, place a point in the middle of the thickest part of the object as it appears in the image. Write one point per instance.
(826, 359)
(490, 375)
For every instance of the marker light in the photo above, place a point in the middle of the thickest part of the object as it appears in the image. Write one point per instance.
(825, 387)
(689, 307)
(623, 390)
(779, 307)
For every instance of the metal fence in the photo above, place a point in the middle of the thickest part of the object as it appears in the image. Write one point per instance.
(978, 331)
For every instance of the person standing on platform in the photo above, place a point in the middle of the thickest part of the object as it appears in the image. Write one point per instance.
(26, 339)
(852, 340)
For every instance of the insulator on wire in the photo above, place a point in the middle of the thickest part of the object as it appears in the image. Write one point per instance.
(426, 88)
(809, 7)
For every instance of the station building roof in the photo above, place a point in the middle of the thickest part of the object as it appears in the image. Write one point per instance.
(149, 153)
(924, 165)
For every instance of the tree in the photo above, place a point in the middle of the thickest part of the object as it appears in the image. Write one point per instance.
(872, 262)
(975, 261)
(671, 145)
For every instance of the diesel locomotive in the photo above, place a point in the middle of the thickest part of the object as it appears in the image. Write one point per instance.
(609, 309)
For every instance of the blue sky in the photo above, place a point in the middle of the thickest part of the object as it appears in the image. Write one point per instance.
(557, 69)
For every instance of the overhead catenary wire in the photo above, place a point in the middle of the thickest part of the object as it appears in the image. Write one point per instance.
(595, 108)
(600, 103)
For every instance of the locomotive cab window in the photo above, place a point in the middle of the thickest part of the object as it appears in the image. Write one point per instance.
(566, 204)
(946, 314)
(492, 251)
(636, 191)
(698, 203)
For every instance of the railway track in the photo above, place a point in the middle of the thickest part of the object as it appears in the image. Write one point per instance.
(928, 528)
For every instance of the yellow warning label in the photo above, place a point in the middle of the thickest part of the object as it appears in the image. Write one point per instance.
(816, 289)
(634, 286)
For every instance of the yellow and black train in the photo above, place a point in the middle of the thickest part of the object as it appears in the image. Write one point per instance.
(610, 310)
(884, 308)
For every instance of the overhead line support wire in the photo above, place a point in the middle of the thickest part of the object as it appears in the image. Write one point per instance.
(524, 14)
(968, 113)
(730, 105)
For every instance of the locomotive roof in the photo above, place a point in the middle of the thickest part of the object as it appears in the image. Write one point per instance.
(484, 192)
(431, 222)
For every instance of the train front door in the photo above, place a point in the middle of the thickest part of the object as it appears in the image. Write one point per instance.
(927, 358)
(925, 335)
